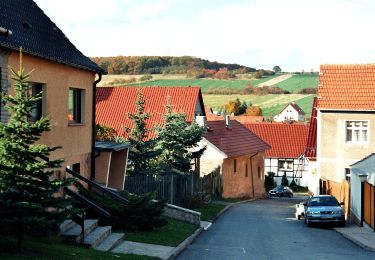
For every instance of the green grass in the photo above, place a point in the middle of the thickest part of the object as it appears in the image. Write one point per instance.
(270, 104)
(299, 81)
(209, 211)
(170, 235)
(205, 84)
(53, 248)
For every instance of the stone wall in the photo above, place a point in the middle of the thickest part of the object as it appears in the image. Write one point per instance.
(182, 214)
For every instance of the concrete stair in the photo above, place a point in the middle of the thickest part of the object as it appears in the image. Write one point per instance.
(96, 237)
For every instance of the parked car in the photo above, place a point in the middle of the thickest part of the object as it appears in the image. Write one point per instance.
(281, 191)
(324, 209)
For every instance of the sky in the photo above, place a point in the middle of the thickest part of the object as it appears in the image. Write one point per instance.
(293, 34)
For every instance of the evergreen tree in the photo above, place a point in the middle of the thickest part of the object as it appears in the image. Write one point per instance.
(175, 140)
(142, 151)
(28, 187)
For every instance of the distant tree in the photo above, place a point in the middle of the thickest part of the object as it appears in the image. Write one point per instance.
(276, 69)
(142, 151)
(105, 133)
(269, 181)
(29, 187)
(232, 107)
(223, 73)
(258, 74)
(253, 111)
(243, 108)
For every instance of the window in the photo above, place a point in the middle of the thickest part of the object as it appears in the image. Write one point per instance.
(285, 165)
(356, 131)
(259, 172)
(234, 165)
(347, 174)
(75, 106)
(37, 111)
(246, 171)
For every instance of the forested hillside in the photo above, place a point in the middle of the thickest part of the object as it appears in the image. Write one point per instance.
(133, 65)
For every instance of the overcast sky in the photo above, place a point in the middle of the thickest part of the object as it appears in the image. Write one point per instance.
(294, 34)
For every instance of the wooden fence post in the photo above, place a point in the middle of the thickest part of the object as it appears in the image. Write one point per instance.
(172, 190)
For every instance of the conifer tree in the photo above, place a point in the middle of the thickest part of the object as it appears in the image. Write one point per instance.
(142, 151)
(176, 140)
(28, 187)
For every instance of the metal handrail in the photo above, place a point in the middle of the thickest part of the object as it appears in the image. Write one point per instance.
(97, 186)
(87, 202)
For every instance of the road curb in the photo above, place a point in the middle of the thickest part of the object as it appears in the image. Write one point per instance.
(178, 249)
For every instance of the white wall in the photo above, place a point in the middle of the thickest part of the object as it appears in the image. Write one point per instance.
(355, 195)
(271, 165)
(211, 157)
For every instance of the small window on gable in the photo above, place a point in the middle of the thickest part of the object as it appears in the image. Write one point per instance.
(285, 165)
(234, 165)
(246, 171)
(75, 106)
(259, 175)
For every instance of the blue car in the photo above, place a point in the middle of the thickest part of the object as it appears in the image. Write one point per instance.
(324, 209)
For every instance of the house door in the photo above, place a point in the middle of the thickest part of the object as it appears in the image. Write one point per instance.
(369, 204)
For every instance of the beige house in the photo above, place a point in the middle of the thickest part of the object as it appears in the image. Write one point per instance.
(61, 72)
(345, 124)
(238, 154)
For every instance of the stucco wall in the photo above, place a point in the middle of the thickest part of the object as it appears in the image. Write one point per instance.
(57, 78)
(210, 159)
(334, 154)
(238, 184)
(102, 165)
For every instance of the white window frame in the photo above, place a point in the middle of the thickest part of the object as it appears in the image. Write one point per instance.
(286, 161)
(354, 128)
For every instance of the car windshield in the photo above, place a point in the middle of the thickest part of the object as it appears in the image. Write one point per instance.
(323, 201)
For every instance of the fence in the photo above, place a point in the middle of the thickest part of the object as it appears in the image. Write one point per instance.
(173, 188)
(369, 204)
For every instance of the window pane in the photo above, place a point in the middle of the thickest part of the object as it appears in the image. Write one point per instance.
(71, 105)
(364, 135)
(349, 135)
(356, 135)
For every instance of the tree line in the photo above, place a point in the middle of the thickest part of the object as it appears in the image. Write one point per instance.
(133, 65)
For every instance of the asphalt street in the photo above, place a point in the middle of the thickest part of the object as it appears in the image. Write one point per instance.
(267, 229)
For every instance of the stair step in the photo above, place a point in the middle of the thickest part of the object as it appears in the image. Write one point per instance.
(74, 233)
(110, 242)
(97, 236)
(67, 224)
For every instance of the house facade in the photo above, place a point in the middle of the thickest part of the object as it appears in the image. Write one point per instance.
(239, 156)
(292, 112)
(288, 143)
(66, 78)
(345, 124)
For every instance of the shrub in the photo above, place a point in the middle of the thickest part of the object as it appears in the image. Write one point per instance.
(142, 213)
(105, 133)
(284, 180)
(145, 77)
(308, 91)
(260, 91)
(269, 181)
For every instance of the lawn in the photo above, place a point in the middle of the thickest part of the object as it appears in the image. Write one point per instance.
(170, 235)
(53, 248)
(205, 84)
(299, 81)
(209, 211)
(270, 104)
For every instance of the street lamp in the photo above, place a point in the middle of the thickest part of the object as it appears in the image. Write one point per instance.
(362, 177)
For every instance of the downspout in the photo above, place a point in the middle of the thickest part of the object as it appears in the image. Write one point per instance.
(252, 173)
(93, 125)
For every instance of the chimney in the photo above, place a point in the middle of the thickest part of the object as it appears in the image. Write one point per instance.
(201, 121)
(227, 122)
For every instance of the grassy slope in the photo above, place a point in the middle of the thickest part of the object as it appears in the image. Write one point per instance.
(205, 84)
(299, 81)
(305, 103)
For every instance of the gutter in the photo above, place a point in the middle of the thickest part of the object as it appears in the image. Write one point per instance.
(93, 125)
(252, 173)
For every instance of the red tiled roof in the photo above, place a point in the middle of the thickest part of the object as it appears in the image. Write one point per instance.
(311, 138)
(113, 103)
(349, 87)
(235, 141)
(286, 140)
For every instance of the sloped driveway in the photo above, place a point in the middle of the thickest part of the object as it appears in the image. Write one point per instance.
(267, 229)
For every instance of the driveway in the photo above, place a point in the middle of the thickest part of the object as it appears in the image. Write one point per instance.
(267, 229)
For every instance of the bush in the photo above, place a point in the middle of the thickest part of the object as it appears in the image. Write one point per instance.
(142, 213)
(269, 182)
(145, 77)
(308, 91)
(284, 180)
(198, 200)
(261, 91)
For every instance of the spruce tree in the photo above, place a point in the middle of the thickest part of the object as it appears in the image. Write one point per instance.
(142, 151)
(29, 189)
(176, 140)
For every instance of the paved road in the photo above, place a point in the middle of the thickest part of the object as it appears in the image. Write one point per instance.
(267, 229)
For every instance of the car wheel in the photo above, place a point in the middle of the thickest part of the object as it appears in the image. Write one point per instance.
(342, 224)
(299, 217)
(290, 195)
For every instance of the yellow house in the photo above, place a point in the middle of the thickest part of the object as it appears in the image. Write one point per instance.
(61, 72)
(345, 124)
